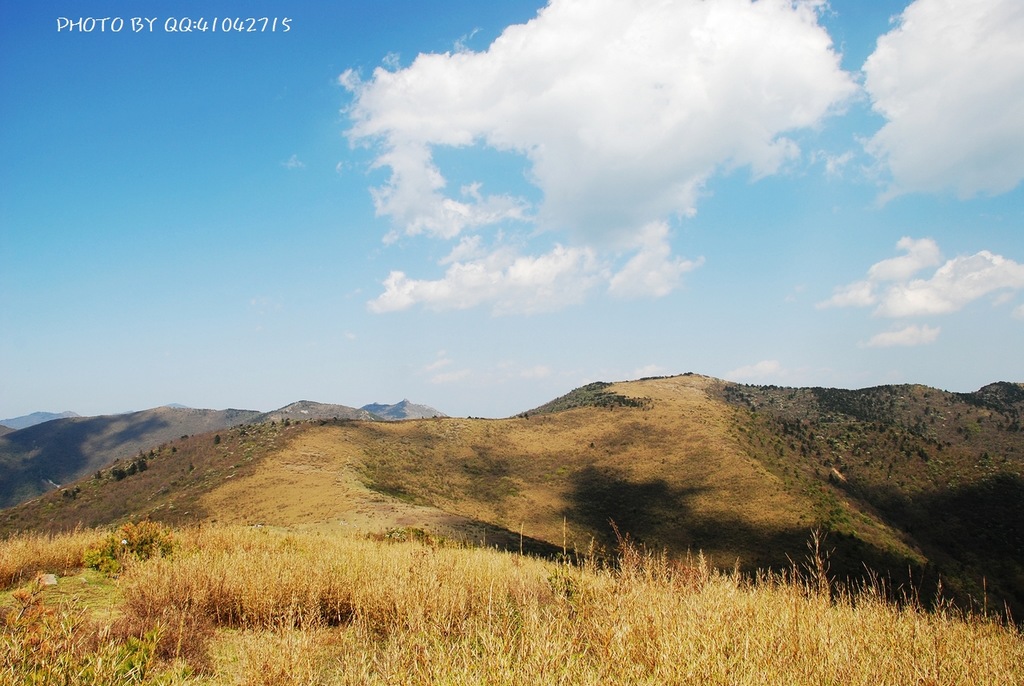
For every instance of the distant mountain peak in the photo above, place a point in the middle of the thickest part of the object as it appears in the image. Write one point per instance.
(402, 410)
(28, 420)
(307, 409)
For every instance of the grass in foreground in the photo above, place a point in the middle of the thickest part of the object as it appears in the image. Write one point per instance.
(256, 606)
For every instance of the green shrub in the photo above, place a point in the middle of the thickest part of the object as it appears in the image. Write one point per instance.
(138, 541)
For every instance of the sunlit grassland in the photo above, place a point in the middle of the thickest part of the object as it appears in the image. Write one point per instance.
(237, 605)
(670, 472)
(674, 465)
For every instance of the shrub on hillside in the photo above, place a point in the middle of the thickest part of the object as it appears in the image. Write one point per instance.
(135, 541)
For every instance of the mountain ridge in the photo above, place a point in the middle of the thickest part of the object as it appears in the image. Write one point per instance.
(404, 409)
(27, 420)
(916, 483)
(47, 454)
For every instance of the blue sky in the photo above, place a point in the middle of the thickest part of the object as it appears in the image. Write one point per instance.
(480, 206)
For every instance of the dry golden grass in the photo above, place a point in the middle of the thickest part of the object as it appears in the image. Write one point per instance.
(671, 473)
(262, 606)
(24, 556)
(310, 608)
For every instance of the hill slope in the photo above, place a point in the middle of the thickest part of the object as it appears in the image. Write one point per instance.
(947, 469)
(742, 473)
(47, 455)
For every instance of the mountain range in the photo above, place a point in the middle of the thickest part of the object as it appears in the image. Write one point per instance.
(53, 450)
(914, 487)
(28, 420)
(402, 410)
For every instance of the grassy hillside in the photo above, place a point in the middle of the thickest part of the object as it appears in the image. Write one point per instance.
(236, 605)
(945, 469)
(165, 482)
(910, 482)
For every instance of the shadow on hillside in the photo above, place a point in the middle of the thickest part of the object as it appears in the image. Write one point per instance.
(974, 533)
(479, 533)
(661, 517)
(65, 450)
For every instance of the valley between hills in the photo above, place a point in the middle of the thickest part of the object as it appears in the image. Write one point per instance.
(914, 485)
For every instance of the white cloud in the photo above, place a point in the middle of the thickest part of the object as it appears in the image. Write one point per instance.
(652, 271)
(856, 294)
(908, 336)
(513, 283)
(441, 362)
(412, 198)
(955, 284)
(893, 291)
(450, 377)
(834, 164)
(439, 371)
(949, 80)
(539, 371)
(647, 371)
(920, 254)
(622, 110)
(760, 370)
(510, 282)
(294, 162)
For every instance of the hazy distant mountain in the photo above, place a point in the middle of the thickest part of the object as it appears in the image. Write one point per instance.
(402, 410)
(28, 420)
(48, 453)
(305, 409)
(41, 457)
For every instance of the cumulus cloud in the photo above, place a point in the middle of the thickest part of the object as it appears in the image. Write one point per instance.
(908, 336)
(894, 292)
(622, 109)
(956, 283)
(412, 198)
(652, 271)
(920, 254)
(510, 282)
(949, 80)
